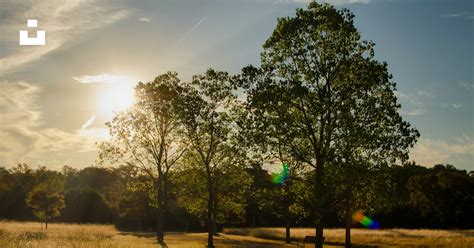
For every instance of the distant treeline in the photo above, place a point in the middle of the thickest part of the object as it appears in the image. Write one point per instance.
(418, 197)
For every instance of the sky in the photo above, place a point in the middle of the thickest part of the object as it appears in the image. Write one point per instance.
(55, 99)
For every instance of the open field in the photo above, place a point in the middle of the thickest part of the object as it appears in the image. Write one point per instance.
(29, 234)
(371, 238)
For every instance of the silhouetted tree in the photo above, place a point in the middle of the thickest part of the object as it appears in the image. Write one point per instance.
(445, 194)
(46, 200)
(146, 136)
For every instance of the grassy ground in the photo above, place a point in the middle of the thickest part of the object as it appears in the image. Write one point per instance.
(371, 238)
(29, 234)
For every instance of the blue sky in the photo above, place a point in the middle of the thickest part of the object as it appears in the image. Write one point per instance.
(55, 99)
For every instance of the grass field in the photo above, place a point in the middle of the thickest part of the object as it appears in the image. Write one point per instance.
(30, 234)
(371, 238)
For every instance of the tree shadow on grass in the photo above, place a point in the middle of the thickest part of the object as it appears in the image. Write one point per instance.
(174, 239)
(341, 244)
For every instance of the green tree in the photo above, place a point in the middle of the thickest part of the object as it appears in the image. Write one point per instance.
(229, 203)
(46, 200)
(145, 136)
(265, 137)
(370, 136)
(137, 196)
(320, 83)
(209, 128)
(445, 194)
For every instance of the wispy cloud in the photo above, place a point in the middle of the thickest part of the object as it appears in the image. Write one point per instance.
(414, 104)
(23, 138)
(104, 78)
(144, 19)
(466, 85)
(95, 132)
(335, 2)
(65, 22)
(190, 31)
(456, 106)
(428, 152)
(88, 123)
(461, 14)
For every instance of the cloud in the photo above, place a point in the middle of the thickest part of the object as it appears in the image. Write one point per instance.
(104, 78)
(452, 106)
(428, 152)
(414, 104)
(24, 139)
(457, 106)
(144, 19)
(185, 36)
(19, 115)
(335, 2)
(95, 133)
(461, 14)
(88, 123)
(425, 93)
(65, 22)
(466, 85)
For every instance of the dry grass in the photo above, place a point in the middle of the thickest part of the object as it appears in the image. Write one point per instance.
(371, 238)
(30, 235)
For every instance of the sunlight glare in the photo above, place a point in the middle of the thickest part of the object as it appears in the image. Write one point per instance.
(117, 95)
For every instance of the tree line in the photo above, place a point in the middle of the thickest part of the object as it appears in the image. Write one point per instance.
(418, 197)
(320, 113)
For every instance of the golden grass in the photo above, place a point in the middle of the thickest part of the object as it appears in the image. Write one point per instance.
(376, 238)
(30, 235)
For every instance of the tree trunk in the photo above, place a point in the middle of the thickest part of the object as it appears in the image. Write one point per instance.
(187, 221)
(320, 194)
(214, 228)
(46, 224)
(210, 218)
(164, 204)
(287, 213)
(159, 225)
(347, 243)
(159, 211)
(319, 235)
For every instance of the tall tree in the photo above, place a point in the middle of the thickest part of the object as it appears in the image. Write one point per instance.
(264, 136)
(208, 121)
(370, 135)
(145, 136)
(316, 77)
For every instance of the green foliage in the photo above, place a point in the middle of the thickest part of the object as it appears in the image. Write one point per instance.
(208, 117)
(325, 101)
(145, 136)
(46, 200)
(445, 194)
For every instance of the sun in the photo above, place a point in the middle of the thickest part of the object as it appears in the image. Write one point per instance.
(117, 94)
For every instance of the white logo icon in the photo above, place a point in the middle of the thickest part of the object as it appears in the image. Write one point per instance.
(39, 40)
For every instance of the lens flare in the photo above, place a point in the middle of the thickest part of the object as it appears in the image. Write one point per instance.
(365, 221)
(282, 176)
